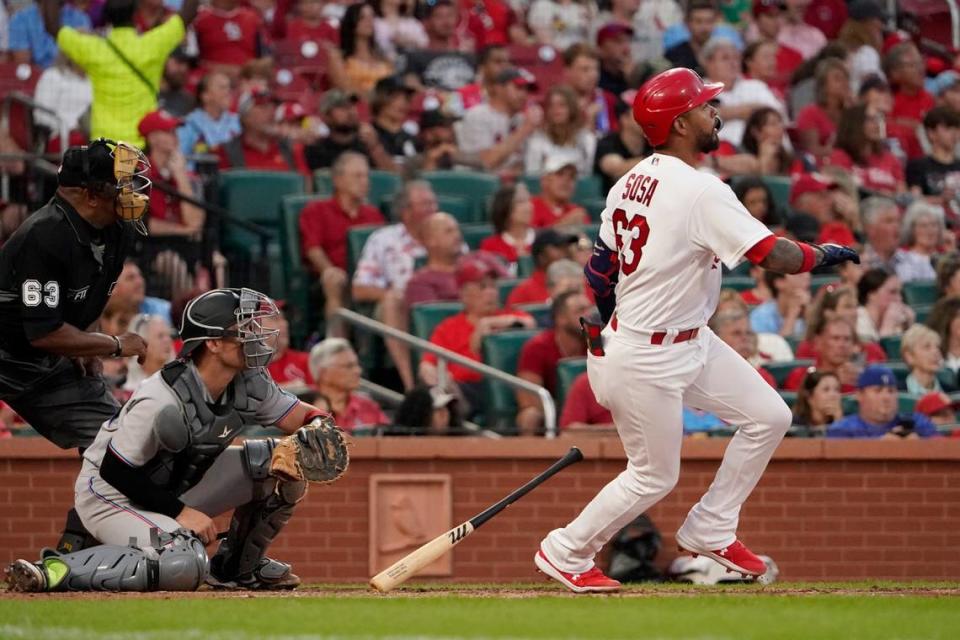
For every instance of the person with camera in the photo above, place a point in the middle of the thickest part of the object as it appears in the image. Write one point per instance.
(877, 416)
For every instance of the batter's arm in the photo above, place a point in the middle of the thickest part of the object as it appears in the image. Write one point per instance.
(786, 256)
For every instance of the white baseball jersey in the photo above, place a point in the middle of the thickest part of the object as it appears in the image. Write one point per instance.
(672, 225)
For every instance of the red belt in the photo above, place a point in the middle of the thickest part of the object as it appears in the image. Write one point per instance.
(659, 336)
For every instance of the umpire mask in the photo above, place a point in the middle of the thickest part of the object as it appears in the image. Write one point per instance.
(231, 313)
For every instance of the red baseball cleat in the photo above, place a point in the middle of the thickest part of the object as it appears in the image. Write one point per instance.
(735, 557)
(591, 581)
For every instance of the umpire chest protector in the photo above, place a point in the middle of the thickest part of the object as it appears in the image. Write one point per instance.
(188, 450)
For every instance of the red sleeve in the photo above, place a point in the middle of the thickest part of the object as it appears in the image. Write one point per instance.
(575, 408)
(531, 357)
(541, 215)
(761, 250)
(795, 379)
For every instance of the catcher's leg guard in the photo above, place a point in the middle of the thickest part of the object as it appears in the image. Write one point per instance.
(241, 562)
(177, 562)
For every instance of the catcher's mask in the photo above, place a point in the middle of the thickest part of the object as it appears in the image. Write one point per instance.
(231, 313)
(109, 167)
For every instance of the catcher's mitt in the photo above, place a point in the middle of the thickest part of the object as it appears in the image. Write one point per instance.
(317, 452)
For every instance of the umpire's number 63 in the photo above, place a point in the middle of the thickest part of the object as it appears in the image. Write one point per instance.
(34, 293)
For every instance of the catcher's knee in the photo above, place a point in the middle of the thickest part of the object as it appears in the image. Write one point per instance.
(182, 562)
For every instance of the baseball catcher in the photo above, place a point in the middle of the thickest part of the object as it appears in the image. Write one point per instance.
(162, 468)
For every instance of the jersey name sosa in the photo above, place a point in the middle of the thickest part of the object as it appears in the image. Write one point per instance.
(640, 188)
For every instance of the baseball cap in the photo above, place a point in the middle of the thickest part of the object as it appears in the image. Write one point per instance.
(336, 98)
(435, 118)
(392, 84)
(866, 10)
(934, 402)
(944, 81)
(763, 7)
(472, 269)
(613, 30)
(519, 77)
(290, 112)
(551, 238)
(255, 98)
(810, 183)
(558, 162)
(158, 120)
(876, 375)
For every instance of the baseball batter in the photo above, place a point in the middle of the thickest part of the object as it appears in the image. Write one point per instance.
(161, 469)
(656, 274)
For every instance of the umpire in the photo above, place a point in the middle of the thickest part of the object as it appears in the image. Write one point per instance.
(56, 273)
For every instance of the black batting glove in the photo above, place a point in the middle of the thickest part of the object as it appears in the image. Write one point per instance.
(834, 254)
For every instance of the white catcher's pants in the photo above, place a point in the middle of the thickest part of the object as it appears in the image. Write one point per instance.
(645, 388)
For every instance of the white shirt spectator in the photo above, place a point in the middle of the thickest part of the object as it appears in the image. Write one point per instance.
(67, 93)
(482, 127)
(650, 22)
(540, 147)
(915, 266)
(560, 25)
(803, 38)
(746, 91)
(863, 63)
(404, 33)
(388, 257)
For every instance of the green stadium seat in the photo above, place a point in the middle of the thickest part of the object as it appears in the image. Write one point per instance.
(501, 351)
(568, 369)
(356, 238)
(901, 371)
(594, 207)
(425, 317)
(459, 207)
(540, 312)
(780, 370)
(742, 269)
(891, 346)
(588, 188)
(849, 404)
(532, 183)
(322, 182)
(737, 283)
(299, 309)
(383, 186)
(947, 378)
(505, 286)
(922, 311)
(473, 234)
(793, 341)
(525, 266)
(920, 292)
(790, 397)
(478, 188)
(780, 189)
(906, 403)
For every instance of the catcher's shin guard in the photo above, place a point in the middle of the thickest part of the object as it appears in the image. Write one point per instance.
(75, 536)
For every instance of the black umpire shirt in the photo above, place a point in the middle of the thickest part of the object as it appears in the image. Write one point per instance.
(56, 268)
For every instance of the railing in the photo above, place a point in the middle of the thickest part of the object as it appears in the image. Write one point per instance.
(954, 23)
(444, 355)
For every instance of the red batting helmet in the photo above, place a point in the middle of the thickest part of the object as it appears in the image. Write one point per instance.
(666, 96)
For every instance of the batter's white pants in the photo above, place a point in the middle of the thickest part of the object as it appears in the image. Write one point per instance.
(645, 388)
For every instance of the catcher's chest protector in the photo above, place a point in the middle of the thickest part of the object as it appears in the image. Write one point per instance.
(210, 429)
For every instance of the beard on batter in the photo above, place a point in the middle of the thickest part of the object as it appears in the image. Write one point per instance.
(708, 142)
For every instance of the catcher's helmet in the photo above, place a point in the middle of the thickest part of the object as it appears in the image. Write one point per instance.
(667, 96)
(231, 313)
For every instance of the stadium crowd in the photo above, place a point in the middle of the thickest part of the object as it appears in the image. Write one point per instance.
(452, 157)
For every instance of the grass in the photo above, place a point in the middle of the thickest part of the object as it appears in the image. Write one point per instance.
(847, 611)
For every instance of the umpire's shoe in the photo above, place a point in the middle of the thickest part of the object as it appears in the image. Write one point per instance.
(270, 575)
(26, 577)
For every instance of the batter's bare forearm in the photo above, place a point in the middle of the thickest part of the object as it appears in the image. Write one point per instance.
(785, 257)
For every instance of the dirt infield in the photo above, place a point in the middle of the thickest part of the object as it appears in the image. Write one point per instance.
(521, 591)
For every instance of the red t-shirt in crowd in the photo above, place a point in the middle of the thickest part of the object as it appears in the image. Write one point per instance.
(291, 367)
(872, 351)
(360, 411)
(814, 117)
(533, 290)
(488, 21)
(750, 297)
(431, 285)
(795, 379)
(907, 138)
(227, 37)
(582, 406)
(837, 233)
(540, 355)
(140, 21)
(547, 215)
(471, 95)
(454, 334)
(499, 245)
(912, 107)
(269, 159)
(300, 31)
(827, 15)
(788, 59)
(883, 171)
(162, 205)
(324, 224)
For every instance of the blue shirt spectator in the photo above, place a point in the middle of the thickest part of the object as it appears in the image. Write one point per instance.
(877, 414)
(784, 314)
(767, 319)
(199, 127)
(28, 37)
(696, 421)
(856, 427)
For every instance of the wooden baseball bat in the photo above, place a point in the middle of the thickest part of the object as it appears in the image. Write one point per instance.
(412, 563)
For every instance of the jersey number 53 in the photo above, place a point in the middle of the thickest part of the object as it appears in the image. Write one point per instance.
(631, 237)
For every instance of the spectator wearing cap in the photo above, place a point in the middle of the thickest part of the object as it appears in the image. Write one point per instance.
(541, 354)
(122, 93)
(559, 23)
(492, 60)
(553, 205)
(649, 20)
(335, 367)
(64, 90)
(862, 150)
(149, 15)
(173, 97)
(436, 280)
(309, 25)
(613, 50)
(817, 122)
(784, 314)
(492, 22)
(581, 72)
(387, 263)
(881, 227)
(288, 367)
(359, 62)
(882, 311)
(741, 96)
(877, 415)
(549, 246)
(228, 34)
(437, 147)
(390, 108)
(920, 349)
(169, 216)
(511, 213)
(563, 135)
(700, 18)
(836, 351)
(212, 123)
(345, 133)
(620, 150)
(905, 70)
(261, 144)
(446, 61)
(324, 225)
(936, 176)
(31, 43)
(768, 20)
(582, 412)
(819, 195)
(939, 408)
(946, 89)
(498, 129)
(395, 29)
(463, 333)
(924, 235)
(862, 35)
(797, 34)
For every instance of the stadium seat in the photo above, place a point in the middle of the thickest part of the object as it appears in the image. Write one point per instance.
(540, 312)
(478, 188)
(588, 188)
(525, 266)
(780, 190)
(383, 185)
(425, 317)
(459, 207)
(322, 182)
(742, 269)
(594, 207)
(473, 234)
(901, 371)
(920, 292)
(567, 371)
(501, 351)
(906, 403)
(922, 311)
(947, 378)
(790, 397)
(356, 238)
(891, 346)
(737, 283)
(299, 309)
(780, 370)
(849, 404)
(505, 286)
(532, 183)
